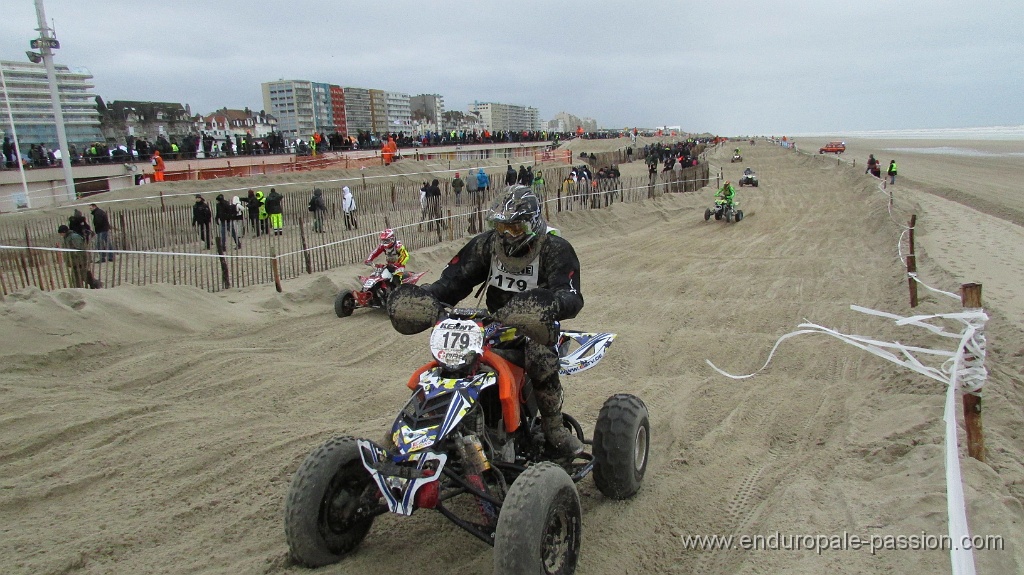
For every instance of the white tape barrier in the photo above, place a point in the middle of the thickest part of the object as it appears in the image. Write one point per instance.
(963, 368)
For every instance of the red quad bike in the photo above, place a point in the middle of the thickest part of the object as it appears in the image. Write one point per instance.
(373, 291)
(471, 431)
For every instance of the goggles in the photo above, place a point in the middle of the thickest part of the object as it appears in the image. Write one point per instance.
(511, 229)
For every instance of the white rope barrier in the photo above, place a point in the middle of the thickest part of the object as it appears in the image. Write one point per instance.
(962, 368)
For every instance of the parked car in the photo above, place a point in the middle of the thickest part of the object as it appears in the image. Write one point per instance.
(833, 148)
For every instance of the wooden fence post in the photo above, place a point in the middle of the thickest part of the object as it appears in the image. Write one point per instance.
(912, 279)
(970, 297)
(225, 278)
(305, 248)
(274, 268)
(912, 264)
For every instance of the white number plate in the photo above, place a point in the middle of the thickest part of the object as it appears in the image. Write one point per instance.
(454, 340)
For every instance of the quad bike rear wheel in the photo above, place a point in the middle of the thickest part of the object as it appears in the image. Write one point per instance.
(321, 520)
(540, 525)
(344, 304)
(621, 446)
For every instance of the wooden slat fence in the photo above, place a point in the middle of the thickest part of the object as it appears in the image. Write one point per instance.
(159, 245)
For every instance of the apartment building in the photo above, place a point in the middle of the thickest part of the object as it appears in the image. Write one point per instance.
(358, 114)
(506, 117)
(291, 102)
(28, 96)
(399, 113)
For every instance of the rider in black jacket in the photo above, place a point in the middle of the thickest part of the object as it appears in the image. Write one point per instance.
(533, 279)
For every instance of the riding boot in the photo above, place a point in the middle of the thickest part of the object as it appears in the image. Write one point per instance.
(549, 403)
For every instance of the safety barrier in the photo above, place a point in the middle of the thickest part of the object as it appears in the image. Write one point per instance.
(159, 244)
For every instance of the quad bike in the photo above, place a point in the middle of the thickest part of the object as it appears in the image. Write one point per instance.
(472, 429)
(725, 210)
(373, 292)
(749, 178)
(736, 158)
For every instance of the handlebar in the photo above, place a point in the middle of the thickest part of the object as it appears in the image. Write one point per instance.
(484, 316)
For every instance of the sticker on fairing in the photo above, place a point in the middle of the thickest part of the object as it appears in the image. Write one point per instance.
(453, 341)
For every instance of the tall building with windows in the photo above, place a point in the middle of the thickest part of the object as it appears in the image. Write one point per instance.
(399, 113)
(506, 117)
(291, 102)
(28, 95)
(357, 110)
(323, 108)
(379, 111)
(338, 109)
(428, 107)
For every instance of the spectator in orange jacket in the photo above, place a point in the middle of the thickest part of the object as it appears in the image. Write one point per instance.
(158, 167)
(389, 151)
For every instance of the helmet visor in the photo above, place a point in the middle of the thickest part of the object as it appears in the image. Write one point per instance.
(511, 229)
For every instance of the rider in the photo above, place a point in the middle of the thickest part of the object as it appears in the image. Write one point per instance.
(727, 193)
(736, 152)
(395, 254)
(533, 279)
(747, 171)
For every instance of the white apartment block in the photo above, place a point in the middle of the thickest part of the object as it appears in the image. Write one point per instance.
(506, 117)
(291, 102)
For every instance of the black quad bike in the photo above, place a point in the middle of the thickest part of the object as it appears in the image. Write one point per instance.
(723, 210)
(471, 430)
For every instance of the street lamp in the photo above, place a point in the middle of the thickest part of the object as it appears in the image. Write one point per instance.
(45, 44)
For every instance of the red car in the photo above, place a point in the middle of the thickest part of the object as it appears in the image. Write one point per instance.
(833, 148)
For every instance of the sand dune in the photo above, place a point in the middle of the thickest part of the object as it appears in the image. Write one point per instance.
(155, 429)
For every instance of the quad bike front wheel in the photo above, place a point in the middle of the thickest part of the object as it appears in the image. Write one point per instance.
(321, 515)
(621, 446)
(344, 304)
(707, 214)
(540, 525)
(728, 216)
(739, 215)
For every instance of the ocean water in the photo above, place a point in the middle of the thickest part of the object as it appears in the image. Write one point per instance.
(976, 133)
(952, 151)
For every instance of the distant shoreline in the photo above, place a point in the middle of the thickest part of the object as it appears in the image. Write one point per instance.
(976, 133)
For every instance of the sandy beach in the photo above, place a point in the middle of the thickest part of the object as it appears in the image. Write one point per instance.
(156, 429)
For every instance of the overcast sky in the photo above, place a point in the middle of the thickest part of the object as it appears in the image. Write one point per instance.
(729, 67)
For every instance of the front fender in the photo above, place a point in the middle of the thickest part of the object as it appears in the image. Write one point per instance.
(580, 351)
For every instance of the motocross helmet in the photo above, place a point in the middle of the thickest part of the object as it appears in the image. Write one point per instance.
(388, 238)
(516, 220)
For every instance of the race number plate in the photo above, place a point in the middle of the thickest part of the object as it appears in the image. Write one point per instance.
(454, 341)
